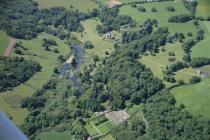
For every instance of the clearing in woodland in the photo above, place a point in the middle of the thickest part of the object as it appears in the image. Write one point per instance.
(90, 34)
(202, 49)
(11, 100)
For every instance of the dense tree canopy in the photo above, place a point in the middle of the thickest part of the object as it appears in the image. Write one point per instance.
(165, 121)
(114, 82)
(23, 19)
(111, 20)
(14, 71)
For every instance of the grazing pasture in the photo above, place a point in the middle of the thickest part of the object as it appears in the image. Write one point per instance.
(52, 135)
(4, 41)
(135, 108)
(194, 97)
(159, 61)
(91, 130)
(122, 1)
(162, 15)
(202, 49)
(81, 5)
(10, 101)
(98, 126)
(108, 137)
(203, 8)
(106, 127)
(90, 34)
(206, 70)
(185, 74)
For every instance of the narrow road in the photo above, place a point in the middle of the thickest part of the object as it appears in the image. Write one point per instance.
(9, 48)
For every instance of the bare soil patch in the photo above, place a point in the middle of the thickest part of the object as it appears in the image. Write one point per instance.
(117, 116)
(112, 3)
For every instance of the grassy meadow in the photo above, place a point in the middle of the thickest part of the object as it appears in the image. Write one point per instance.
(162, 15)
(203, 8)
(123, 1)
(158, 63)
(54, 136)
(82, 5)
(105, 127)
(108, 137)
(90, 34)
(4, 40)
(135, 108)
(10, 101)
(194, 97)
(96, 127)
(202, 49)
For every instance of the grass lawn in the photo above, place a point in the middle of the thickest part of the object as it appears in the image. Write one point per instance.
(123, 1)
(106, 127)
(202, 49)
(90, 34)
(162, 15)
(81, 5)
(54, 136)
(158, 62)
(4, 40)
(203, 8)
(108, 137)
(195, 97)
(98, 120)
(10, 102)
(134, 109)
(185, 74)
(206, 70)
(91, 130)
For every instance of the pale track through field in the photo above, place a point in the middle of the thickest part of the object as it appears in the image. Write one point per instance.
(9, 48)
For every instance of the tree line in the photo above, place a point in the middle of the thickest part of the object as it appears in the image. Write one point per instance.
(15, 71)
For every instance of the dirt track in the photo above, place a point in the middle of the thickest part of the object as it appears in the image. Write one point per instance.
(112, 3)
(9, 48)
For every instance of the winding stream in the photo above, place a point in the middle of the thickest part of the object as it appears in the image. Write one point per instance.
(78, 53)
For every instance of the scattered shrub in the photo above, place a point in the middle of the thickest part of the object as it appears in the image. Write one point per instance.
(170, 9)
(154, 9)
(195, 79)
(142, 9)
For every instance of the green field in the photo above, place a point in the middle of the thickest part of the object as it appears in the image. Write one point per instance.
(91, 130)
(185, 74)
(98, 126)
(123, 1)
(90, 34)
(206, 70)
(82, 5)
(10, 101)
(203, 8)
(158, 63)
(54, 136)
(195, 97)
(162, 15)
(135, 108)
(108, 137)
(4, 40)
(106, 127)
(202, 49)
